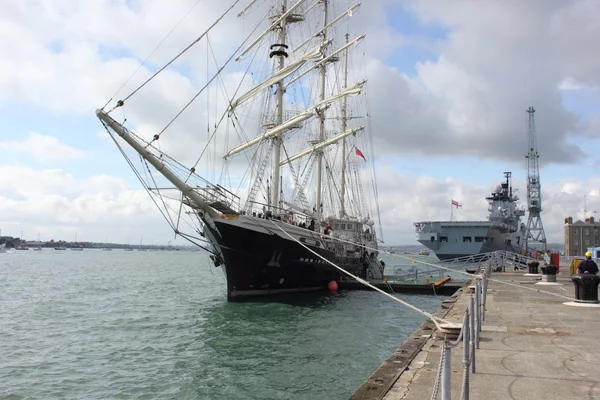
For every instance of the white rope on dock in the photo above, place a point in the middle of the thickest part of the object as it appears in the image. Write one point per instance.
(436, 320)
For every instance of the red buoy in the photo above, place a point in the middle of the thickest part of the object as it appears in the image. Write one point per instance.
(332, 286)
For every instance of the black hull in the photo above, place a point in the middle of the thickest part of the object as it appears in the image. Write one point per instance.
(264, 261)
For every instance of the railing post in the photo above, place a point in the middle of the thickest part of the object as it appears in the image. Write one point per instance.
(472, 333)
(477, 312)
(466, 344)
(484, 293)
(447, 372)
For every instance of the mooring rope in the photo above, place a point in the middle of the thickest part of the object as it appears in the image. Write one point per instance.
(435, 319)
(455, 270)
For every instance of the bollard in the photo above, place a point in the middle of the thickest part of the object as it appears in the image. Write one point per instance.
(586, 287)
(549, 273)
(533, 267)
(447, 372)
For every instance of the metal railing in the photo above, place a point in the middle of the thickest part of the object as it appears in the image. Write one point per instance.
(499, 259)
(469, 335)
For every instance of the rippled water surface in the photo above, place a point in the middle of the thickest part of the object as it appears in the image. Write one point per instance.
(157, 325)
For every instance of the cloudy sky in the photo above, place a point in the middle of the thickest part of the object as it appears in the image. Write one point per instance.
(449, 83)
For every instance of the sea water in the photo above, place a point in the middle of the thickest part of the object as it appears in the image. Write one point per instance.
(157, 325)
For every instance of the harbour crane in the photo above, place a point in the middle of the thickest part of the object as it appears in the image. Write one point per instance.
(534, 235)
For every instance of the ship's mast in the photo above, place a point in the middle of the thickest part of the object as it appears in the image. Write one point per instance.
(344, 126)
(323, 75)
(281, 53)
(535, 230)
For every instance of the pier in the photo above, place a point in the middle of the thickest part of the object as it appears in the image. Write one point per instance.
(531, 346)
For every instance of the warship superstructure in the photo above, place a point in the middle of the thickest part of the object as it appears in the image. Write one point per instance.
(502, 231)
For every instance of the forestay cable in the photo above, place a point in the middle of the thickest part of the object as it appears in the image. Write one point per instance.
(121, 102)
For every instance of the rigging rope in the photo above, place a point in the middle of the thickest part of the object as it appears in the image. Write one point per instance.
(237, 89)
(121, 102)
(150, 55)
(151, 195)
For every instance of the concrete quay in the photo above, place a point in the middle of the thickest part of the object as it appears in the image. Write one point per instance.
(531, 347)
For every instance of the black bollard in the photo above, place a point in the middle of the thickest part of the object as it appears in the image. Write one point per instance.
(533, 267)
(586, 287)
(549, 273)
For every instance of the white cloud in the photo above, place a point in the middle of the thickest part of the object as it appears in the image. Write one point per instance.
(469, 99)
(57, 205)
(42, 148)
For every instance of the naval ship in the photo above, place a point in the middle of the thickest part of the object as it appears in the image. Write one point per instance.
(502, 231)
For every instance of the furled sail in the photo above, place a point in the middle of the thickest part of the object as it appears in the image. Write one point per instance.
(294, 121)
(314, 54)
(324, 60)
(323, 144)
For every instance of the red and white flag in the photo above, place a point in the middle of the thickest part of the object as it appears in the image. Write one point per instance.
(360, 154)
(456, 204)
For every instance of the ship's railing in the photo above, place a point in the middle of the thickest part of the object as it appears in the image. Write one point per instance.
(499, 259)
(218, 194)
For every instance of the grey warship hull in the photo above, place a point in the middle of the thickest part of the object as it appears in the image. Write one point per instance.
(453, 239)
(502, 231)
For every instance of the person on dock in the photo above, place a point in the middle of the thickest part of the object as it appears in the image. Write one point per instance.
(587, 266)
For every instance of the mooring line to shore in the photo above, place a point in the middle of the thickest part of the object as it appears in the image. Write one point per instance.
(436, 320)
(447, 268)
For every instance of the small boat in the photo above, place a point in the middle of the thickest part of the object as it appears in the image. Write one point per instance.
(37, 248)
(60, 248)
(424, 252)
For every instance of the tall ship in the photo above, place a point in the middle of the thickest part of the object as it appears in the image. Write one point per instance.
(281, 127)
(502, 231)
